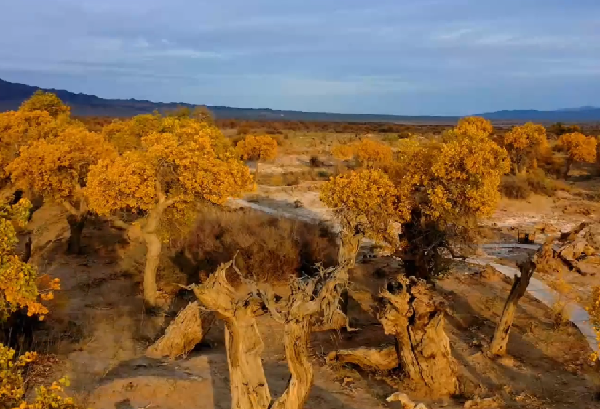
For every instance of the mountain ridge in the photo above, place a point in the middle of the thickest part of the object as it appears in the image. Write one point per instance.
(13, 94)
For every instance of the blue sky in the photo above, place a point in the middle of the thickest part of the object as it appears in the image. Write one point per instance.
(444, 57)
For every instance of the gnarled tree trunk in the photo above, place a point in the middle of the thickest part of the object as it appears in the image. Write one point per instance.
(414, 316)
(416, 319)
(309, 302)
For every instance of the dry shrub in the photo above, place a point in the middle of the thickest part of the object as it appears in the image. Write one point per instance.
(515, 187)
(268, 248)
(534, 182)
(293, 178)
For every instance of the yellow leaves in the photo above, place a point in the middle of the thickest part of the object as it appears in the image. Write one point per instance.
(126, 183)
(257, 148)
(47, 102)
(186, 161)
(12, 389)
(364, 200)
(579, 147)
(19, 128)
(372, 154)
(18, 280)
(343, 151)
(369, 153)
(467, 172)
(57, 167)
(525, 144)
(474, 126)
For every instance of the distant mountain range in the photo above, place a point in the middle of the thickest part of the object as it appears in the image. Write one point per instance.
(13, 94)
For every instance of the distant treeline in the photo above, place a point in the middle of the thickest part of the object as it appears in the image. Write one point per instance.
(244, 127)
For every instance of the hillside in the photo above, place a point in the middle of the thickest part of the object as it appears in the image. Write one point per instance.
(13, 94)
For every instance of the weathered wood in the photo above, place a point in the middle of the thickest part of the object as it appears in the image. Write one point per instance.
(311, 302)
(542, 260)
(416, 319)
(185, 332)
(384, 359)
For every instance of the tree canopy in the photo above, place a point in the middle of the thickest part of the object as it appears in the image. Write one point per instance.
(578, 147)
(525, 144)
(181, 164)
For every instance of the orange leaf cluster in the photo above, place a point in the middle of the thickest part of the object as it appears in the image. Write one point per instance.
(257, 148)
(525, 144)
(579, 148)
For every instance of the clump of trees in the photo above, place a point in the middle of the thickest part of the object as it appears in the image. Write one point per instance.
(434, 190)
(257, 149)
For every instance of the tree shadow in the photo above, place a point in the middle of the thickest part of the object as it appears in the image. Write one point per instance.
(525, 367)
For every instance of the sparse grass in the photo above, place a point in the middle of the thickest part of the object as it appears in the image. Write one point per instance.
(265, 247)
(534, 182)
(293, 178)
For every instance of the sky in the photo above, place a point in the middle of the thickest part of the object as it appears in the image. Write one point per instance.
(406, 57)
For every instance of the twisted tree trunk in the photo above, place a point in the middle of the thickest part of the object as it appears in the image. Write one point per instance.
(316, 298)
(416, 319)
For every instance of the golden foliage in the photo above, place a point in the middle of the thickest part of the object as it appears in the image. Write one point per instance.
(18, 280)
(12, 388)
(370, 154)
(257, 148)
(365, 201)
(342, 151)
(187, 161)
(446, 183)
(465, 177)
(127, 135)
(579, 147)
(57, 167)
(473, 127)
(525, 144)
(47, 102)
(18, 128)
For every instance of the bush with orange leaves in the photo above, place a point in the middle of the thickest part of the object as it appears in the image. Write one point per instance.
(437, 190)
(158, 186)
(578, 147)
(525, 145)
(56, 168)
(18, 280)
(472, 127)
(369, 154)
(46, 102)
(257, 148)
(364, 202)
(127, 135)
(12, 385)
(19, 128)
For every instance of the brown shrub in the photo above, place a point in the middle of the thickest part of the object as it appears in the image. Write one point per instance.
(535, 182)
(265, 247)
(515, 187)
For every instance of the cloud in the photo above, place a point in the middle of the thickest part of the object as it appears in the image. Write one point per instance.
(403, 56)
